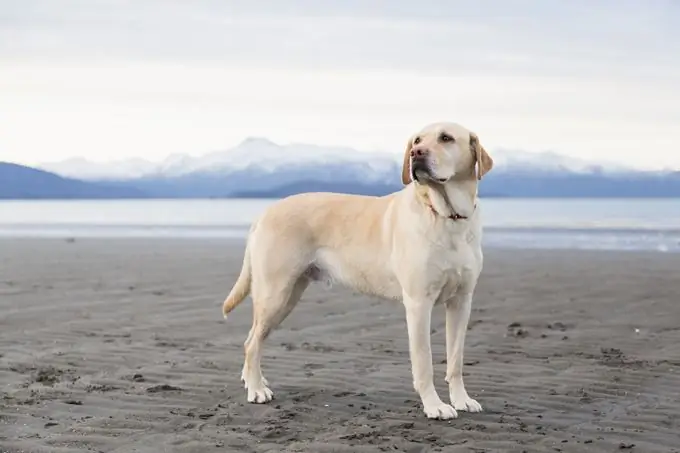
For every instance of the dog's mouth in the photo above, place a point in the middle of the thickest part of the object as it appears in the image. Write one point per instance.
(422, 173)
(420, 170)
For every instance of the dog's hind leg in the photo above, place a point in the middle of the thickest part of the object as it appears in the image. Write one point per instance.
(272, 303)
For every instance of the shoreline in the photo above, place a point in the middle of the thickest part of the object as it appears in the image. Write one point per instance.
(585, 244)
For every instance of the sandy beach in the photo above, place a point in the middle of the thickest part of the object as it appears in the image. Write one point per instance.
(120, 346)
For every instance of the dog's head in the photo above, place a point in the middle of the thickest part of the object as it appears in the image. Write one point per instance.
(444, 151)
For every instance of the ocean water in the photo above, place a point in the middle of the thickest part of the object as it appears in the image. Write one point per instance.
(610, 224)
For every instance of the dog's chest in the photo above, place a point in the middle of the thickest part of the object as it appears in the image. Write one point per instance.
(458, 267)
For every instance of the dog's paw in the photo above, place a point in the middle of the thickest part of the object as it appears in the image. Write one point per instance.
(468, 404)
(257, 393)
(461, 400)
(265, 382)
(260, 395)
(440, 411)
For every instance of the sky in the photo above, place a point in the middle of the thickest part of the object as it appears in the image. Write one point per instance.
(110, 80)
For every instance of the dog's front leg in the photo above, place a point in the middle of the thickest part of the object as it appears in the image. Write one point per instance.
(418, 318)
(457, 318)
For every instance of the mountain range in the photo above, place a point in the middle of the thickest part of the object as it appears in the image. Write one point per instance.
(260, 168)
(21, 182)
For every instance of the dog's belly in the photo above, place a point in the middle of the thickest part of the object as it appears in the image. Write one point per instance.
(365, 273)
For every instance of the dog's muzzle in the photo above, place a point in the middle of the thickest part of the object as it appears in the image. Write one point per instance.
(420, 170)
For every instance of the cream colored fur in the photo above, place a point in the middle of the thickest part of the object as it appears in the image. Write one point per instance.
(402, 246)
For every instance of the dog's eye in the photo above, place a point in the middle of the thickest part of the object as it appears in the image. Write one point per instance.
(445, 138)
(416, 141)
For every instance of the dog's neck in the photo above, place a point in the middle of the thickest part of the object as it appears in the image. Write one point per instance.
(455, 200)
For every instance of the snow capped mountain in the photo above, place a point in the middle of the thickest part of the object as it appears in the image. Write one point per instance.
(517, 160)
(267, 156)
(259, 153)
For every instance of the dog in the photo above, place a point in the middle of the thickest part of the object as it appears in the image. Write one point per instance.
(420, 245)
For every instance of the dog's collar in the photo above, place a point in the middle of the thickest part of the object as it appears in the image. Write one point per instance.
(455, 216)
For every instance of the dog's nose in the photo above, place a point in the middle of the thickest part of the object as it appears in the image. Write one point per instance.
(419, 152)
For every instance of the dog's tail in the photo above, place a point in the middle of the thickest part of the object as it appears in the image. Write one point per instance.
(241, 288)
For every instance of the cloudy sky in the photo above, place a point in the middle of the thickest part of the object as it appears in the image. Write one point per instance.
(148, 78)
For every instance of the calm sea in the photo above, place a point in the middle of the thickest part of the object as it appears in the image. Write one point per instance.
(527, 223)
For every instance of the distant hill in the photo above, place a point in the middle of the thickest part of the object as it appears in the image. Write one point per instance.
(260, 168)
(583, 185)
(21, 182)
(320, 186)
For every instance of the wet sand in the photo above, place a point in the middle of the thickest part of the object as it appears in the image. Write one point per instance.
(119, 346)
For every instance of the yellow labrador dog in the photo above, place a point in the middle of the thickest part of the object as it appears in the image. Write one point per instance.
(421, 245)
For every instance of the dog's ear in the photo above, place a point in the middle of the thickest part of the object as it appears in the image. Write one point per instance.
(482, 159)
(406, 167)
